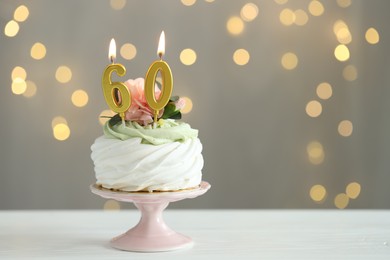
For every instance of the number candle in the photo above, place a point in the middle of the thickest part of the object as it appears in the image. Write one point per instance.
(116, 94)
(167, 81)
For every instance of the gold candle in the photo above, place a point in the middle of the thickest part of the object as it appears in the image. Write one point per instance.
(150, 81)
(116, 94)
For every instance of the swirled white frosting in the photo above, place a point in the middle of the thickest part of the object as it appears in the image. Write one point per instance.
(130, 165)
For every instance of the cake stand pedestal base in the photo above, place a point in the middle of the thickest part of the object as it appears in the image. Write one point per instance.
(151, 234)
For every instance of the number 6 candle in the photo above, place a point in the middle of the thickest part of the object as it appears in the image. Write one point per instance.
(116, 94)
(150, 80)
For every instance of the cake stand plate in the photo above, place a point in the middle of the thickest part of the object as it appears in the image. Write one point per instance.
(151, 234)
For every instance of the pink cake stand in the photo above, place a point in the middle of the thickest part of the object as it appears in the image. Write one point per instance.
(151, 234)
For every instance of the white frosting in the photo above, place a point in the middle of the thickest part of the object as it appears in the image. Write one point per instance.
(129, 165)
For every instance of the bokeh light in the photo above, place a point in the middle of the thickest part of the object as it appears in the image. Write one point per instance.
(350, 73)
(287, 17)
(344, 3)
(316, 8)
(79, 98)
(301, 17)
(63, 74)
(11, 29)
(281, 2)
(313, 108)
(58, 120)
(353, 190)
(128, 51)
(341, 52)
(18, 72)
(117, 4)
(235, 25)
(345, 128)
(188, 56)
(31, 89)
(38, 51)
(19, 86)
(111, 205)
(372, 36)
(188, 107)
(21, 13)
(188, 2)
(249, 12)
(318, 193)
(315, 152)
(344, 35)
(241, 57)
(324, 90)
(341, 201)
(61, 132)
(289, 61)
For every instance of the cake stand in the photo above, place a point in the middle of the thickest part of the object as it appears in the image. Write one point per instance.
(151, 234)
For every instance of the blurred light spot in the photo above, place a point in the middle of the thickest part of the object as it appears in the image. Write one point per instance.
(31, 89)
(21, 13)
(315, 152)
(313, 108)
(18, 72)
(117, 4)
(188, 107)
(345, 128)
(19, 86)
(353, 190)
(338, 25)
(289, 61)
(344, 36)
(38, 51)
(128, 51)
(318, 193)
(301, 17)
(61, 132)
(112, 205)
(11, 28)
(341, 52)
(341, 201)
(80, 98)
(316, 8)
(281, 2)
(58, 120)
(324, 90)
(188, 56)
(344, 3)
(209, 1)
(104, 114)
(249, 12)
(188, 2)
(372, 36)
(350, 73)
(235, 25)
(287, 17)
(241, 57)
(63, 74)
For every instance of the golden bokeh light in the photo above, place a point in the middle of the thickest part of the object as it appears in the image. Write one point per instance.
(318, 193)
(61, 132)
(188, 2)
(235, 25)
(338, 25)
(315, 152)
(372, 36)
(350, 73)
(111, 205)
(21, 13)
(58, 120)
(287, 17)
(301, 17)
(19, 86)
(31, 89)
(281, 2)
(117, 4)
(345, 128)
(344, 3)
(324, 90)
(18, 72)
(341, 201)
(289, 61)
(38, 51)
(79, 98)
(341, 52)
(249, 12)
(63, 74)
(188, 106)
(313, 108)
(11, 28)
(344, 35)
(209, 1)
(316, 8)
(103, 117)
(128, 51)
(188, 56)
(353, 190)
(241, 57)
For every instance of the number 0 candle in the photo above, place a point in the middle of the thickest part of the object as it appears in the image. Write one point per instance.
(166, 77)
(116, 94)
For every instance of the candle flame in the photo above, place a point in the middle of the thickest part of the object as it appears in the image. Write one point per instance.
(112, 50)
(161, 45)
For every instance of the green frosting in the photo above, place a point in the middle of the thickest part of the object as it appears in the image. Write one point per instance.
(166, 131)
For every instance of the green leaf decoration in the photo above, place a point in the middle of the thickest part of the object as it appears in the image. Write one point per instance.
(114, 120)
(174, 99)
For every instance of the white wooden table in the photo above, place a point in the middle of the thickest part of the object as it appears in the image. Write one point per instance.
(218, 234)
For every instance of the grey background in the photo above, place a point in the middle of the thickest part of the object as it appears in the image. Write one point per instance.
(251, 118)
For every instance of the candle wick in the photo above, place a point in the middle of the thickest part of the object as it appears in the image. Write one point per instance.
(160, 55)
(112, 59)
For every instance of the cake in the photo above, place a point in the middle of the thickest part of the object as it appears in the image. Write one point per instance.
(138, 154)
